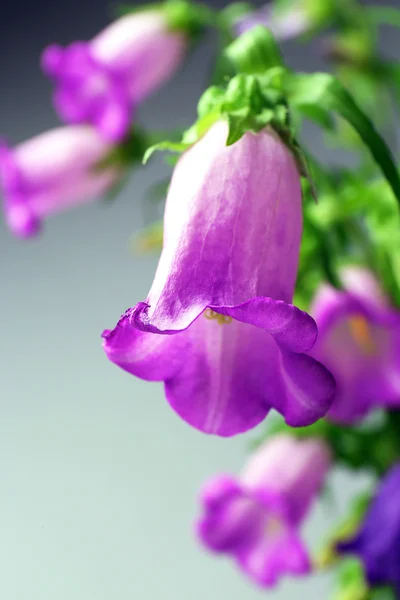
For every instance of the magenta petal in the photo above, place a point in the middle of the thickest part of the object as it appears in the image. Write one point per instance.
(66, 102)
(223, 288)
(359, 341)
(51, 60)
(150, 357)
(273, 557)
(292, 328)
(224, 379)
(218, 490)
(112, 120)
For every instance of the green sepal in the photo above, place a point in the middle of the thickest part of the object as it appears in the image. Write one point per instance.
(247, 104)
(190, 17)
(352, 584)
(180, 15)
(254, 52)
(327, 556)
(176, 147)
(324, 90)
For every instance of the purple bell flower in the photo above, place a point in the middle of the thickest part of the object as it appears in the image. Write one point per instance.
(377, 543)
(232, 346)
(52, 172)
(102, 81)
(359, 342)
(287, 25)
(257, 518)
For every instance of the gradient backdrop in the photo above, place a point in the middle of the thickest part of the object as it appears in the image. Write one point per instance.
(98, 477)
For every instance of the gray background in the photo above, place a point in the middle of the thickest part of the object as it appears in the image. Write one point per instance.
(98, 477)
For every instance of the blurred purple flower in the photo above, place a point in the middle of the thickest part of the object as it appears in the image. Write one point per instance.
(284, 25)
(52, 172)
(257, 518)
(359, 342)
(223, 288)
(101, 81)
(377, 543)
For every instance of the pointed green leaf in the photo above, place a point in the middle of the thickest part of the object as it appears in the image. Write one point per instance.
(177, 147)
(237, 128)
(324, 90)
(383, 15)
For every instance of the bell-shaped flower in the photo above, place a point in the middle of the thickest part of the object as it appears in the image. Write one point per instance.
(257, 518)
(52, 172)
(101, 81)
(377, 543)
(217, 326)
(359, 342)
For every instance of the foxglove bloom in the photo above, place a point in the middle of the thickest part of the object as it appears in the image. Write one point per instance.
(359, 342)
(231, 345)
(101, 81)
(52, 172)
(291, 23)
(377, 543)
(256, 519)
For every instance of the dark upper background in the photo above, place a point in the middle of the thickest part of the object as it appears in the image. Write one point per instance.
(98, 476)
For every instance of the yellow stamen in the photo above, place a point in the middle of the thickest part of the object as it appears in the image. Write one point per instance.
(221, 319)
(274, 527)
(361, 333)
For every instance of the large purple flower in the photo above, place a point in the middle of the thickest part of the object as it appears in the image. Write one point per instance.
(256, 519)
(101, 81)
(359, 342)
(377, 543)
(51, 172)
(232, 346)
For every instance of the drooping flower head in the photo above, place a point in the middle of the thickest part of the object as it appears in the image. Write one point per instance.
(101, 81)
(377, 543)
(256, 519)
(217, 326)
(51, 172)
(359, 342)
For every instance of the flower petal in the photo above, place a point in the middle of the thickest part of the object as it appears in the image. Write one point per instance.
(359, 342)
(145, 355)
(274, 556)
(228, 238)
(112, 118)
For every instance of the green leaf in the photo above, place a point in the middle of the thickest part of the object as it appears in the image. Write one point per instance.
(324, 90)
(383, 15)
(177, 147)
(319, 115)
(385, 593)
(254, 52)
